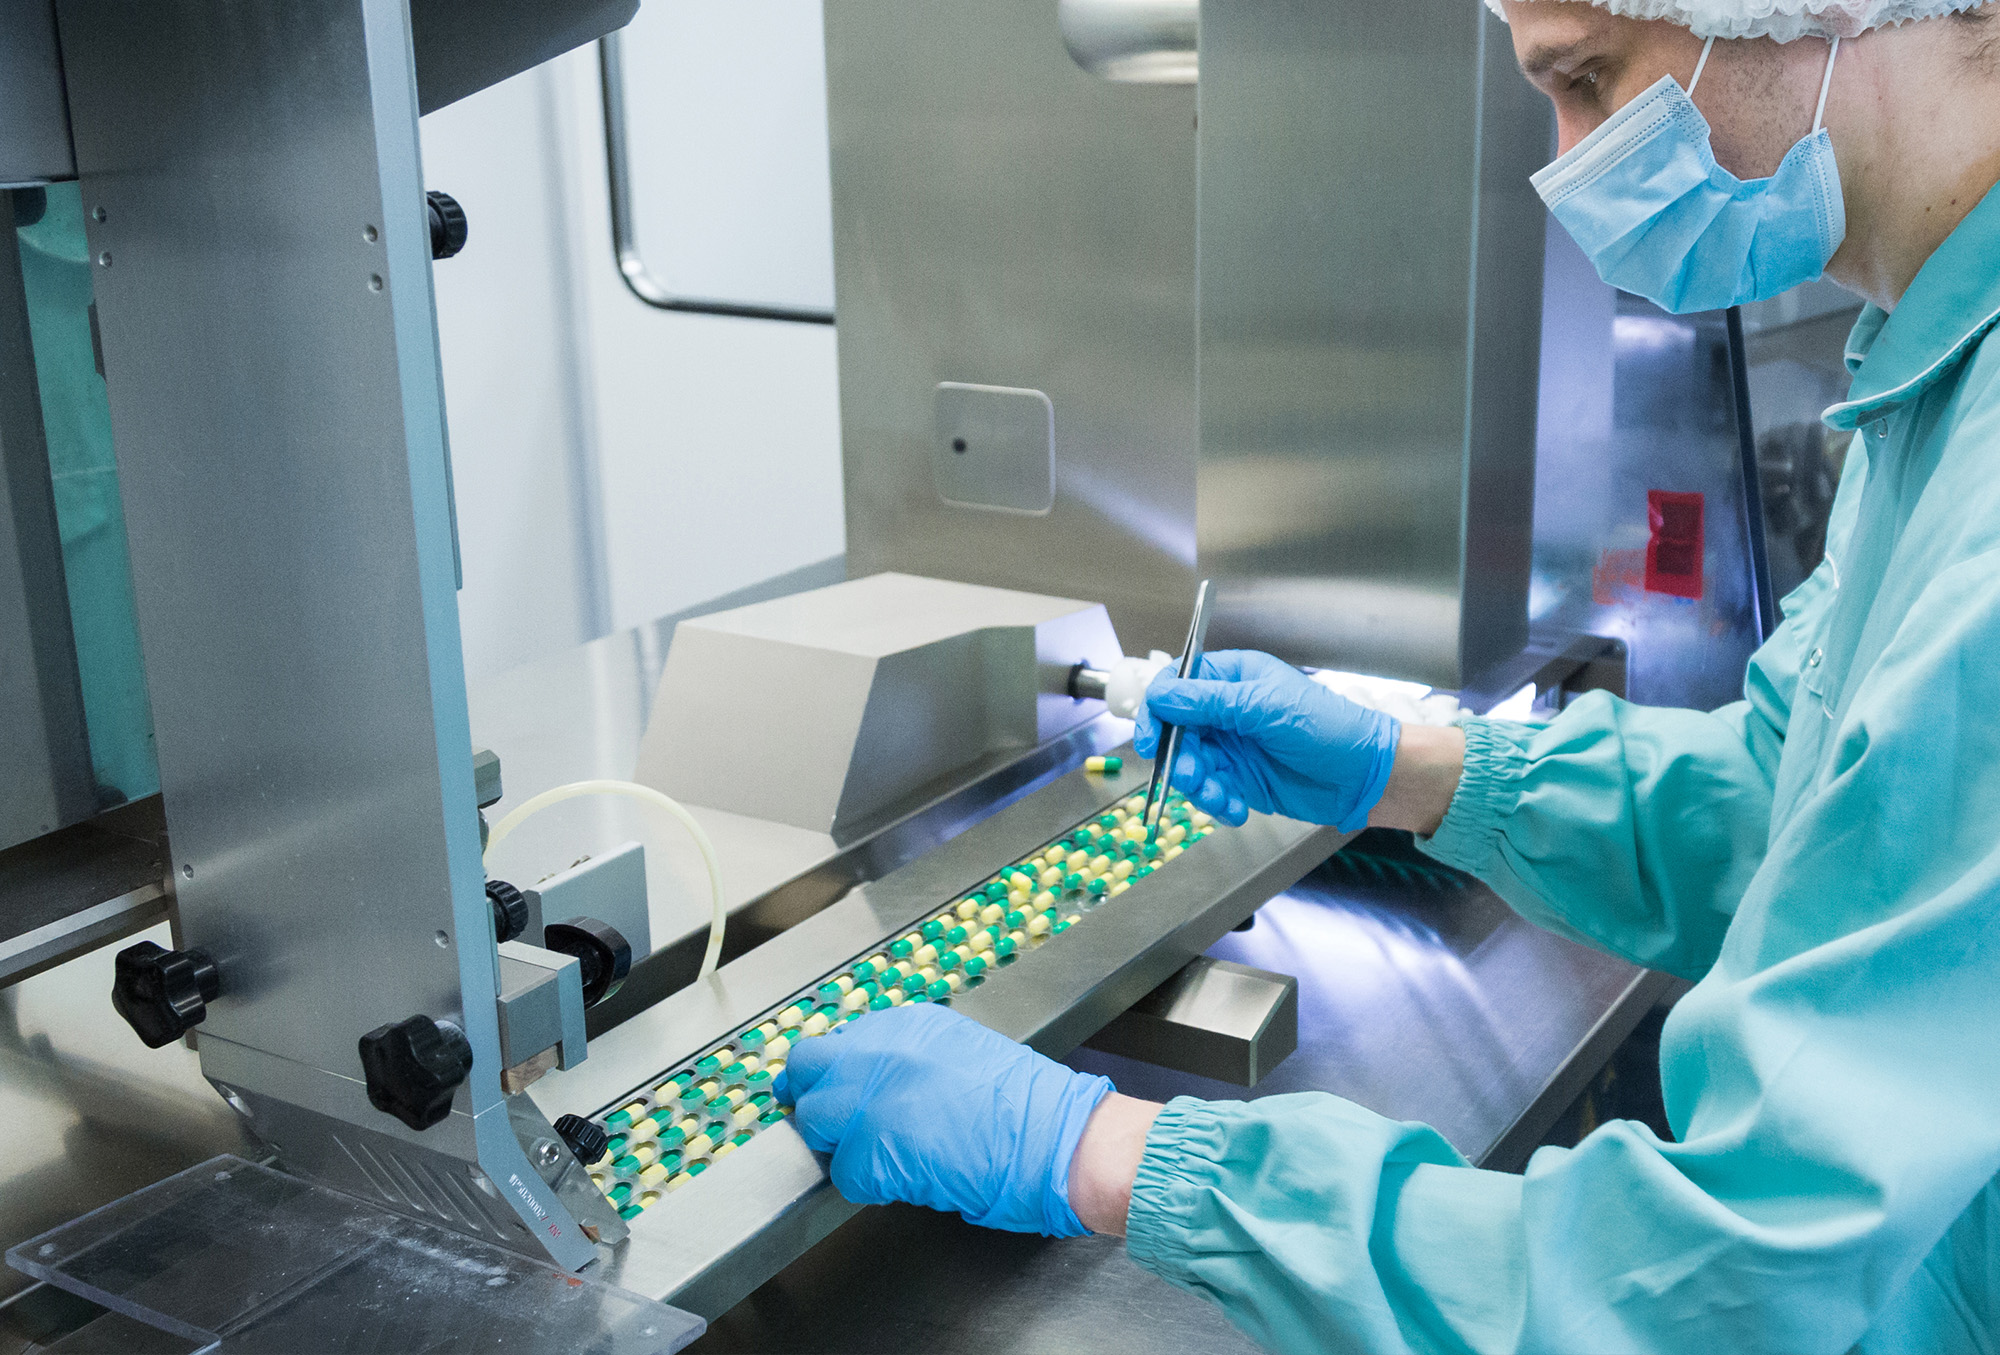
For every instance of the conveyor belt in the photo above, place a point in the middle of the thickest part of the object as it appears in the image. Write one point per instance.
(683, 1121)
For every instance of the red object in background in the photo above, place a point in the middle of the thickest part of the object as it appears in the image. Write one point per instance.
(1674, 554)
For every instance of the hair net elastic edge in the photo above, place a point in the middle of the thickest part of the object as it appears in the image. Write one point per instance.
(1781, 20)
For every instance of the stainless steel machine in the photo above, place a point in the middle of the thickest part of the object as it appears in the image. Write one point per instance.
(1316, 343)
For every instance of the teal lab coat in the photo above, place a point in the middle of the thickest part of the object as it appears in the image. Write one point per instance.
(1823, 857)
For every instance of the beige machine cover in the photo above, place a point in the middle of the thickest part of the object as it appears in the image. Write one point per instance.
(828, 709)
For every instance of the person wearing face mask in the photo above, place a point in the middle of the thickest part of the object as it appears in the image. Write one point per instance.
(1822, 857)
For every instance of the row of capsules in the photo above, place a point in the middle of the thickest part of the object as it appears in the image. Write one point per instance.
(663, 1139)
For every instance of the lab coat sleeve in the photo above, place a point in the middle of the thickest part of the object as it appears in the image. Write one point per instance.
(1633, 829)
(1834, 1080)
(1320, 1226)
(1636, 829)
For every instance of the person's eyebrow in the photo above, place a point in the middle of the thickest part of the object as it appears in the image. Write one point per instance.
(1544, 58)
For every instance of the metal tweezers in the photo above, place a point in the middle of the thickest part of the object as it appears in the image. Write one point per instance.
(1170, 735)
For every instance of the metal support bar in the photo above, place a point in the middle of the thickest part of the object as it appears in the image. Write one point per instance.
(82, 887)
(624, 238)
(541, 1006)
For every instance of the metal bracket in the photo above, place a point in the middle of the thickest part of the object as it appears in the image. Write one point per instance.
(610, 887)
(541, 1012)
(1213, 1018)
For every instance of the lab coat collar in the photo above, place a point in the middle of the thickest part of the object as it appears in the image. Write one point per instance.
(1954, 300)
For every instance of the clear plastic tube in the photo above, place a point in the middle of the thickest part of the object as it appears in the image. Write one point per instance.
(646, 795)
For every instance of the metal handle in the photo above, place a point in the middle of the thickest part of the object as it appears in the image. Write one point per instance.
(624, 241)
(1170, 735)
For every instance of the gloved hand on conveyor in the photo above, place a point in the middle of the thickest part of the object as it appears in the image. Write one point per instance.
(923, 1105)
(1259, 734)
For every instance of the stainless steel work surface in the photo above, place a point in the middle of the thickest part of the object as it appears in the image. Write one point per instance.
(1420, 996)
(1424, 997)
(902, 1278)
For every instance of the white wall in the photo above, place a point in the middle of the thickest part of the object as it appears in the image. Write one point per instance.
(614, 462)
(515, 384)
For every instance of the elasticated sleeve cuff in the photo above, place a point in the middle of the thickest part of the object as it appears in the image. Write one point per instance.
(1496, 758)
(1183, 1151)
(1289, 1211)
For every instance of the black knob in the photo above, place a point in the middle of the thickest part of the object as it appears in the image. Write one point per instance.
(510, 910)
(413, 1067)
(586, 1138)
(163, 993)
(603, 953)
(448, 224)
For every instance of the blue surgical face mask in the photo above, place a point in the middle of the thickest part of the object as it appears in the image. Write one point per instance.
(1660, 218)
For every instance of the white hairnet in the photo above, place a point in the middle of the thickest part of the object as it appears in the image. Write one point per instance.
(1782, 20)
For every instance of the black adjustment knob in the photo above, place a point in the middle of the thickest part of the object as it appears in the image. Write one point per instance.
(510, 910)
(586, 1138)
(413, 1067)
(448, 224)
(600, 949)
(164, 994)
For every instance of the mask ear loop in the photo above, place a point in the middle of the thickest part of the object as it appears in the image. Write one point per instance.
(1700, 66)
(1819, 114)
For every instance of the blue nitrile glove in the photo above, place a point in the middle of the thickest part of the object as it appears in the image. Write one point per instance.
(1259, 734)
(923, 1105)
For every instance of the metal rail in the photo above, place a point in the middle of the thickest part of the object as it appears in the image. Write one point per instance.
(624, 238)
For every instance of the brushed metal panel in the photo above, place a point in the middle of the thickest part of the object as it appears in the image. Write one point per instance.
(276, 404)
(462, 46)
(1002, 217)
(995, 448)
(34, 125)
(255, 199)
(1644, 402)
(1370, 302)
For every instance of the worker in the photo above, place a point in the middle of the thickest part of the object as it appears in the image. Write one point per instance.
(1822, 858)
